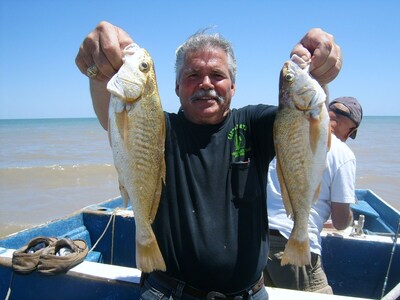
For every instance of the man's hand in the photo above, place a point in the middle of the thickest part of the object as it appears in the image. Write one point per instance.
(325, 55)
(101, 51)
(103, 48)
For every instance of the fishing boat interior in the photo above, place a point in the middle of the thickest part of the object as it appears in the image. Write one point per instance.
(362, 261)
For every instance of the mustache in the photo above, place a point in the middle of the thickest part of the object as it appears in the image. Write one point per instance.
(206, 94)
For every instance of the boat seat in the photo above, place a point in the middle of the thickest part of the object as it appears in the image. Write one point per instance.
(363, 208)
(373, 222)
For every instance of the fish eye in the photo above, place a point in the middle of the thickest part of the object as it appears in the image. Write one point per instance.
(144, 66)
(289, 77)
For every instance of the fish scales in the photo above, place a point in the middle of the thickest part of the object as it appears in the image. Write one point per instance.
(137, 138)
(301, 137)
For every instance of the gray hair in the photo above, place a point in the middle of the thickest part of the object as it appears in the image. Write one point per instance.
(199, 41)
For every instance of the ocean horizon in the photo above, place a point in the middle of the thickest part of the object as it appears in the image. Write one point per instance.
(52, 167)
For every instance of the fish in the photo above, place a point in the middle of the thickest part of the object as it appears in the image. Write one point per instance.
(302, 140)
(136, 129)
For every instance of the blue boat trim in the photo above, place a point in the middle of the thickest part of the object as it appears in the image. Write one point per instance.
(109, 270)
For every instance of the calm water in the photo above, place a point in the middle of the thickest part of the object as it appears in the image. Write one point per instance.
(50, 168)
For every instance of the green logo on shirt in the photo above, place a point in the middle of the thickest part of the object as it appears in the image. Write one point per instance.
(238, 135)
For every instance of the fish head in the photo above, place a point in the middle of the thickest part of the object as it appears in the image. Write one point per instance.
(131, 82)
(297, 89)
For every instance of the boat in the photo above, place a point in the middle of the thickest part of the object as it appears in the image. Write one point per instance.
(362, 261)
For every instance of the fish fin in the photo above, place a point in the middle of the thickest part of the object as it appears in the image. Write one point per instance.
(157, 194)
(314, 133)
(329, 138)
(163, 166)
(284, 191)
(316, 194)
(296, 253)
(162, 142)
(148, 256)
(161, 178)
(124, 194)
(156, 199)
(121, 120)
(125, 128)
(109, 133)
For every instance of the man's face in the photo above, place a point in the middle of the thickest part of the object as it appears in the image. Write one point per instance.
(341, 126)
(204, 87)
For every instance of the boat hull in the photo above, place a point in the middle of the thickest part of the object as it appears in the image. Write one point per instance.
(109, 270)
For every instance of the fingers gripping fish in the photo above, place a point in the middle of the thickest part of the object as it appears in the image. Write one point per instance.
(137, 138)
(301, 137)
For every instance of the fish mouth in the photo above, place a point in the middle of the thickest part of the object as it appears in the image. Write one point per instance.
(132, 91)
(302, 108)
(305, 95)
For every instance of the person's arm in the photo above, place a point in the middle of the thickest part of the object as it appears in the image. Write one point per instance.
(102, 47)
(101, 100)
(342, 190)
(341, 215)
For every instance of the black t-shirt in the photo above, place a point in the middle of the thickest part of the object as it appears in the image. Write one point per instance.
(211, 224)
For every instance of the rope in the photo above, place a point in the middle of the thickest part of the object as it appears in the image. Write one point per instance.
(112, 218)
(112, 241)
(9, 287)
(390, 261)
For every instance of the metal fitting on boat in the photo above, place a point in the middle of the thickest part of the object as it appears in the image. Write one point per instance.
(358, 225)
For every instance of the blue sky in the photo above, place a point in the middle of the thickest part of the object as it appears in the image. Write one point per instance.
(40, 39)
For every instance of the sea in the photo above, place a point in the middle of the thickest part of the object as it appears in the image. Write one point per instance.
(50, 168)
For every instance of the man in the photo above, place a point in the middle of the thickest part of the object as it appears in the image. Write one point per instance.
(345, 114)
(211, 223)
(337, 193)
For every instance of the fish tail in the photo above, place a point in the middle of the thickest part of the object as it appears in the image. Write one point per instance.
(296, 253)
(149, 257)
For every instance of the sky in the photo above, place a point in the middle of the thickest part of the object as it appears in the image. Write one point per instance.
(39, 41)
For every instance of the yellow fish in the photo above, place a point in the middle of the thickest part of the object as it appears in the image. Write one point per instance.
(301, 137)
(137, 138)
